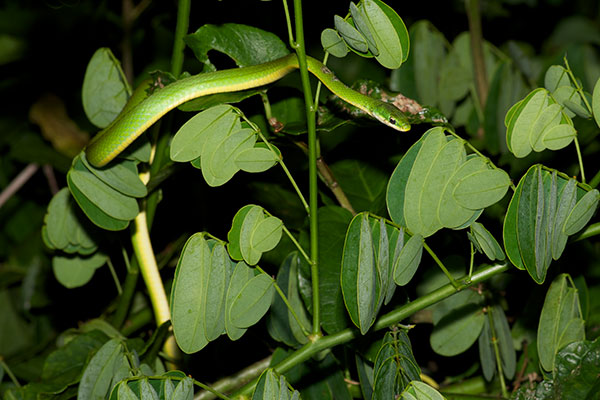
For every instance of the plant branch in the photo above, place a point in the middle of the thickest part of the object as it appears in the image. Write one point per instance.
(326, 176)
(235, 381)
(312, 348)
(480, 74)
(16, 184)
(298, 45)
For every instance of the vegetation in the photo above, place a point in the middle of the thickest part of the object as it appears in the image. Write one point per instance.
(275, 241)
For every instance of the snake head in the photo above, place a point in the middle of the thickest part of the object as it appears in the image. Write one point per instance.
(391, 116)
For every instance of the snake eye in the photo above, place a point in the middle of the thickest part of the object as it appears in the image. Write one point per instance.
(392, 121)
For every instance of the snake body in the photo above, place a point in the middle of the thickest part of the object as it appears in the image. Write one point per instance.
(131, 123)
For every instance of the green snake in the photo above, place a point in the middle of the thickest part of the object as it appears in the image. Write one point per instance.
(134, 120)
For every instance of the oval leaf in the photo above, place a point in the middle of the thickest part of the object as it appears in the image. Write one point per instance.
(252, 302)
(481, 189)
(408, 261)
(581, 214)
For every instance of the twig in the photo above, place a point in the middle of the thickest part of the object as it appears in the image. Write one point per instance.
(17, 183)
(235, 381)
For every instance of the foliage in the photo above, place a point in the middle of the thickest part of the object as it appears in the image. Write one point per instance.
(202, 254)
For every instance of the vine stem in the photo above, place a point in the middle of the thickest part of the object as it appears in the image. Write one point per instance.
(313, 348)
(142, 247)
(298, 44)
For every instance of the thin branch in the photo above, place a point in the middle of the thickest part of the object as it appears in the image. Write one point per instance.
(17, 183)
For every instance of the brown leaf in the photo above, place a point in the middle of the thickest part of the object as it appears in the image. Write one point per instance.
(50, 113)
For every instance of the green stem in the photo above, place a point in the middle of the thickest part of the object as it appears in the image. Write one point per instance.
(113, 273)
(578, 150)
(440, 264)
(145, 255)
(127, 296)
(9, 372)
(295, 242)
(497, 353)
(474, 17)
(312, 348)
(181, 29)
(319, 83)
(298, 45)
(232, 382)
(287, 303)
(286, 171)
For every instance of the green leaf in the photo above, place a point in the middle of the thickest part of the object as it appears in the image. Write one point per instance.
(421, 391)
(581, 214)
(360, 21)
(457, 330)
(216, 122)
(414, 209)
(520, 126)
(240, 276)
(333, 43)
(105, 90)
(549, 118)
(569, 98)
(389, 33)
(559, 137)
(566, 202)
(233, 236)
(255, 159)
(219, 164)
(482, 188)
(532, 224)
(596, 102)
(251, 221)
(407, 262)
(188, 293)
(560, 321)
(429, 58)
(64, 365)
(216, 278)
(396, 190)
(121, 176)
(576, 371)
(487, 242)
(267, 234)
(93, 212)
(486, 351)
(124, 392)
(359, 278)
(245, 44)
(281, 322)
(450, 212)
(252, 302)
(64, 228)
(333, 224)
(75, 271)
(351, 35)
(508, 355)
(556, 76)
(184, 389)
(363, 184)
(110, 201)
(104, 371)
